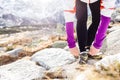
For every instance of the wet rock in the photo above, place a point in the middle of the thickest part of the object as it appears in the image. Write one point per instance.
(53, 57)
(21, 70)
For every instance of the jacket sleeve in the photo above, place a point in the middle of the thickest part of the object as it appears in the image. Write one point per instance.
(108, 6)
(69, 10)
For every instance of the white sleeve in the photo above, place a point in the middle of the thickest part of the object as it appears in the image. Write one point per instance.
(69, 17)
(108, 7)
(69, 5)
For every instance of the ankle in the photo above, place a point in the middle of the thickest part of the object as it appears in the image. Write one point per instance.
(93, 50)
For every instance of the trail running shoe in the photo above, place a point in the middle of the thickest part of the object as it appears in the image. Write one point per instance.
(83, 57)
(98, 56)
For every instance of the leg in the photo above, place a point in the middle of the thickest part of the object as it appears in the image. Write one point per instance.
(99, 38)
(106, 12)
(95, 10)
(69, 20)
(70, 39)
(70, 34)
(101, 31)
(81, 14)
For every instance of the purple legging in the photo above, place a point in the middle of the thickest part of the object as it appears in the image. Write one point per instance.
(70, 34)
(101, 33)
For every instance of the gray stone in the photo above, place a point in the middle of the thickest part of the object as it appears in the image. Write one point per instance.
(113, 29)
(115, 16)
(2, 49)
(53, 57)
(117, 19)
(15, 52)
(59, 44)
(21, 70)
(111, 44)
(108, 60)
(66, 48)
(104, 46)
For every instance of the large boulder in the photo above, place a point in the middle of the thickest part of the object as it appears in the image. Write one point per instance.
(108, 61)
(111, 44)
(21, 70)
(53, 57)
(114, 28)
(116, 15)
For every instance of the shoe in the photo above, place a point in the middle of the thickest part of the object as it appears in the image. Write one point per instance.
(75, 52)
(98, 56)
(83, 57)
(95, 53)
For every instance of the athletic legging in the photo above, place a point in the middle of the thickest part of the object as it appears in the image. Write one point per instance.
(86, 37)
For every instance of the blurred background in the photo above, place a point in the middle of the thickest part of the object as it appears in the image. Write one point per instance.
(32, 12)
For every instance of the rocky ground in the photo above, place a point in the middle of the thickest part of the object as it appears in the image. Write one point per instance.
(42, 54)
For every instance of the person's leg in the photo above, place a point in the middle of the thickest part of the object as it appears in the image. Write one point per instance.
(70, 34)
(70, 39)
(69, 25)
(101, 34)
(95, 11)
(107, 9)
(81, 15)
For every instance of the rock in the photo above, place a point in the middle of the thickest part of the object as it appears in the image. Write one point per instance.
(92, 61)
(117, 19)
(53, 57)
(44, 38)
(63, 37)
(108, 60)
(66, 48)
(104, 46)
(81, 77)
(115, 16)
(112, 43)
(65, 72)
(113, 34)
(113, 29)
(55, 73)
(15, 52)
(6, 58)
(21, 70)
(59, 44)
(2, 49)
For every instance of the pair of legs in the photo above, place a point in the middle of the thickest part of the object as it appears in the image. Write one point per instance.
(86, 36)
